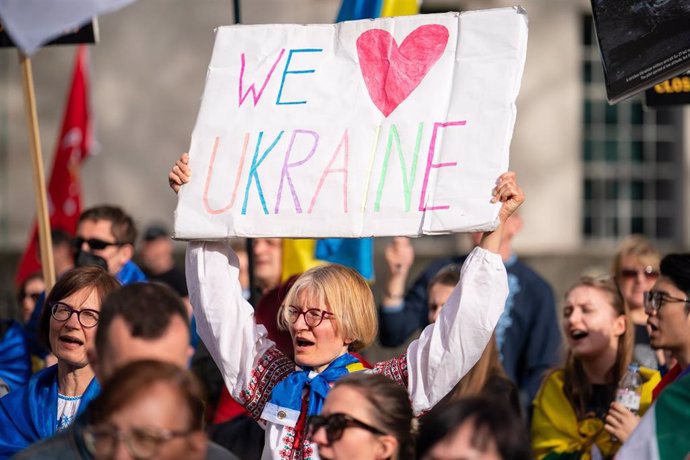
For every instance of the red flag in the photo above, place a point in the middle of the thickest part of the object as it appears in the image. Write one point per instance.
(73, 145)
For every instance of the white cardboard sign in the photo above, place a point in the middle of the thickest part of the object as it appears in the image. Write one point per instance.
(393, 126)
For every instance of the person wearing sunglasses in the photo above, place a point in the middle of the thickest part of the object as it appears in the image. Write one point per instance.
(365, 416)
(29, 292)
(54, 396)
(105, 237)
(635, 267)
(575, 415)
(668, 305)
(330, 312)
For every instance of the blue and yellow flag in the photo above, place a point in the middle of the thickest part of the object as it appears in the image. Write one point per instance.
(301, 255)
(369, 9)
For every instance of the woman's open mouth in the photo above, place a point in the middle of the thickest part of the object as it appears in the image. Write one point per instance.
(577, 334)
(303, 344)
(70, 341)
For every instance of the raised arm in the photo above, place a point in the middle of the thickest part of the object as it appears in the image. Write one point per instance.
(449, 348)
(225, 321)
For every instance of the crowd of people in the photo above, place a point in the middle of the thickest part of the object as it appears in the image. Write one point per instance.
(118, 361)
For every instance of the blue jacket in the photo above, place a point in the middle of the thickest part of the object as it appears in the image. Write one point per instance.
(29, 413)
(15, 360)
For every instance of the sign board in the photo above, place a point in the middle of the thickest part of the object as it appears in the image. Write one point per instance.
(392, 126)
(642, 43)
(674, 91)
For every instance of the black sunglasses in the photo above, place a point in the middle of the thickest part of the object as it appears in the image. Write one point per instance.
(335, 425)
(631, 273)
(94, 243)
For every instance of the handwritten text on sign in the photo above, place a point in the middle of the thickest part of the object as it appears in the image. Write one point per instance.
(395, 126)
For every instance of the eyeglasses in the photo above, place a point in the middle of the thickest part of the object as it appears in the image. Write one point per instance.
(94, 243)
(313, 316)
(653, 300)
(630, 273)
(141, 443)
(335, 425)
(62, 312)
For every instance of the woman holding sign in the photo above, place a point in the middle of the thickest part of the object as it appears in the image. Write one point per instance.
(330, 312)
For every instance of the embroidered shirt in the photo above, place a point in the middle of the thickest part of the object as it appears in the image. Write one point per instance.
(67, 408)
(252, 365)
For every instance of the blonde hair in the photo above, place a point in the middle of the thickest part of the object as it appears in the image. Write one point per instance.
(343, 292)
(577, 387)
(637, 246)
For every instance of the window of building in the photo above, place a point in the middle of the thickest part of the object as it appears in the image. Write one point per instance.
(632, 161)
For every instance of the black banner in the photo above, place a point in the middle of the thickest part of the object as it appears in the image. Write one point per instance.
(642, 42)
(88, 33)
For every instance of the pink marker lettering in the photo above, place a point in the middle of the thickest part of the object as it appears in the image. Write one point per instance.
(252, 88)
(344, 145)
(430, 164)
(209, 175)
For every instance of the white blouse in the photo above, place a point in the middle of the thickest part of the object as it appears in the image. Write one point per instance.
(252, 365)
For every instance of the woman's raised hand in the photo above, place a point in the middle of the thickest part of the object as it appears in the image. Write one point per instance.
(508, 192)
(180, 173)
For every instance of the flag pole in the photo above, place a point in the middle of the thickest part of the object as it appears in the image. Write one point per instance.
(44, 238)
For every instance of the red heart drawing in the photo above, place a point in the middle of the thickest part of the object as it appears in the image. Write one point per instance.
(392, 72)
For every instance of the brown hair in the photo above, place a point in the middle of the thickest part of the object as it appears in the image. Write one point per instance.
(343, 292)
(491, 423)
(489, 365)
(146, 308)
(90, 277)
(135, 378)
(123, 228)
(577, 388)
(21, 292)
(391, 408)
(639, 247)
(447, 276)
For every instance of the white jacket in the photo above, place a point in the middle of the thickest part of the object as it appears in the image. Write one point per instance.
(252, 365)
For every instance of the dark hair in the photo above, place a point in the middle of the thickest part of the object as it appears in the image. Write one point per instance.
(577, 387)
(147, 308)
(60, 237)
(21, 292)
(447, 276)
(491, 422)
(392, 409)
(123, 228)
(153, 232)
(676, 267)
(74, 280)
(132, 379)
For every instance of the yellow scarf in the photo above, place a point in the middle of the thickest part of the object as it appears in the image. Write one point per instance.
(556, 431)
